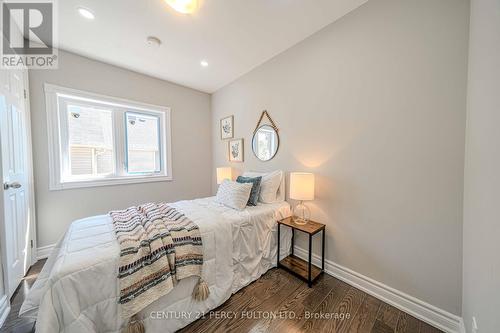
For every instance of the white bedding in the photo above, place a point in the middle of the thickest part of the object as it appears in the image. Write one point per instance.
(77, 289)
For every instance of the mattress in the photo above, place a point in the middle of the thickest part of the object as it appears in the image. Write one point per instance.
(77, 289)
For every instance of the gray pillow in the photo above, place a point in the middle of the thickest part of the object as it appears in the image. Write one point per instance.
(254, 194)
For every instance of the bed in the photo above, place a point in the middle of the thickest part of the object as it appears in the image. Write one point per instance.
(77, 289)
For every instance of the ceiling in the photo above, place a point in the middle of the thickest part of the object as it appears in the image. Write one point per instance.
(233, 36)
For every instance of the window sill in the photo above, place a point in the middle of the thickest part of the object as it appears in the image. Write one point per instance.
(108, 182)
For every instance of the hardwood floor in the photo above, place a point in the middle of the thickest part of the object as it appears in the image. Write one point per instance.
(306, 309)
(278, 302)
(13, 323)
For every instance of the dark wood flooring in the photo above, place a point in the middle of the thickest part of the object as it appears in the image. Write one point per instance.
(13, 323)
(278, 302)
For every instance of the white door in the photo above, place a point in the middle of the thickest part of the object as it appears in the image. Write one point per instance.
(14, 139)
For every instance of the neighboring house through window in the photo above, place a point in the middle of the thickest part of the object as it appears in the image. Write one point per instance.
(98, 140)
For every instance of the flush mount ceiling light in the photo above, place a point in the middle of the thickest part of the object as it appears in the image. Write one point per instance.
(153, 41)
(204, 63)
(183, 6)
(86, 13)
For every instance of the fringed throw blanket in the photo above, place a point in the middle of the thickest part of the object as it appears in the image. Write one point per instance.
(158, 246)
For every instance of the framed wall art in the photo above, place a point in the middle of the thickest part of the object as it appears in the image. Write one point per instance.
(227, 128)
(236, 151)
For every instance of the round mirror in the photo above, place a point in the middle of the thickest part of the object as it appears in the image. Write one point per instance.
(265, 143)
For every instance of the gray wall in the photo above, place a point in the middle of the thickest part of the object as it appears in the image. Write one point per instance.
(481, 282)
(191, 133)
(374, 105)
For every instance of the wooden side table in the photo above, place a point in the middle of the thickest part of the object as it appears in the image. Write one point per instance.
(304, 270)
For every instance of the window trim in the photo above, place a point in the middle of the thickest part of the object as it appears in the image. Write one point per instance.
(54, 143)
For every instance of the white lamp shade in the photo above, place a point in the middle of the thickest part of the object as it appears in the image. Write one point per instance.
(301, 186)
(224, 173)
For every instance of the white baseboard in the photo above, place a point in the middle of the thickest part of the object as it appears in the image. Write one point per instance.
(426, 312)
(462, 326)
(4, 309)
(44, 251)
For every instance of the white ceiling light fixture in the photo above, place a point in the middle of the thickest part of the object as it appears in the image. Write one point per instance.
(183, 6)
(204, 63)
(86, 13)
(153, 41)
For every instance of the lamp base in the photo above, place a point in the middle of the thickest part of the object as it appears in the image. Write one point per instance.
(299, 221)
(301, 214)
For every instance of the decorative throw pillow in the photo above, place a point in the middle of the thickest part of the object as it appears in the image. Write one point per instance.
(233, 194)
(269, 185)
(254, 194)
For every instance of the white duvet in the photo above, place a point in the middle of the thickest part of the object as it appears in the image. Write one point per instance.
(77, 289)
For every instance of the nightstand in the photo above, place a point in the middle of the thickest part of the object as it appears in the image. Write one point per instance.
(301, 268)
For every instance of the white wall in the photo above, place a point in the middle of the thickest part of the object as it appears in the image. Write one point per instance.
(374, 105)
(481, 282)
(191, 130)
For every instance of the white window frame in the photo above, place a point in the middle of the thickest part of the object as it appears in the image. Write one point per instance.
(56, 138)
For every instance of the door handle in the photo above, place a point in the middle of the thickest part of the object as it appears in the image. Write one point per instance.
(13, 185)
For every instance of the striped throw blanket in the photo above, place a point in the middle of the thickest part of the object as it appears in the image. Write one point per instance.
(158, 246)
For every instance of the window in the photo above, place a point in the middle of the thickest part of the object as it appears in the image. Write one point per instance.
(98, 140)
(143, 143)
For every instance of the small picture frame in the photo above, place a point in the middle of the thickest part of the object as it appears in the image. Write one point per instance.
(227, 128)
(236, 150)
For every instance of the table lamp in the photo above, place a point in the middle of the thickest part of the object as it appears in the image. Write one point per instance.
(224, 173)
(302, 189)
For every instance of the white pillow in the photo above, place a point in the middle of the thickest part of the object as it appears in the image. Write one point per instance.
(233, 195)
(269, 185)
